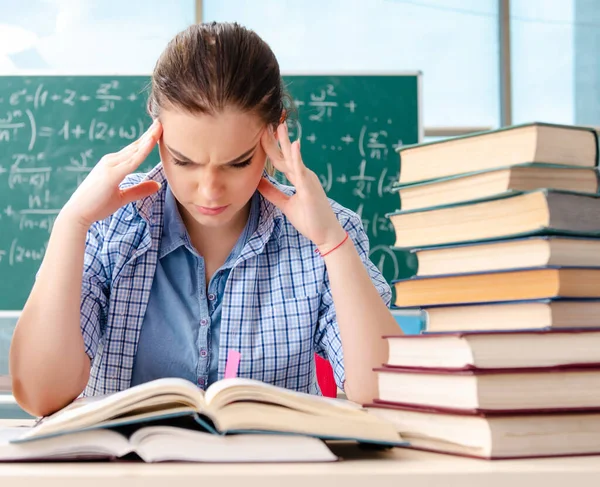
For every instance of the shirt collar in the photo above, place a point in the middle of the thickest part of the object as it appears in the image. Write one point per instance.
(249, 229)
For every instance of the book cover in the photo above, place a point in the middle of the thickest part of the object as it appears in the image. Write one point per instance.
(505, 240)
(397, 187)
(501, 271)
(419, 408)
(560, 331)
(404, 148)
(501, 196)
(474, 371)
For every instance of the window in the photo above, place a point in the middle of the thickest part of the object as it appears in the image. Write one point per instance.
(543, 68)
(453, 42)
(83, 37)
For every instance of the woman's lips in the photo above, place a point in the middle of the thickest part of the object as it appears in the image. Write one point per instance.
(215, 210)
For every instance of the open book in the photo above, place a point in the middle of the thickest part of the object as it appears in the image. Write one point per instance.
(164, 443)
(230, 406)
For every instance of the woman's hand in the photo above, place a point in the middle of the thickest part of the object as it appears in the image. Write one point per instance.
(99, 195)
(308, 210)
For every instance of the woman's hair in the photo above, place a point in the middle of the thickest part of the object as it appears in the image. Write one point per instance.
(209, 67)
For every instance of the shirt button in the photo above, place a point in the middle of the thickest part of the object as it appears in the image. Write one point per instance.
(203, 321)
(201, 381)
(203, 353)
(211, 297)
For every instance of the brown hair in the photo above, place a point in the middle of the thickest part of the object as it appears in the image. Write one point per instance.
(209, 67)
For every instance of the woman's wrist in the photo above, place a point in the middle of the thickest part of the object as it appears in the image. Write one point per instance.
(337, 238)
(72, 219)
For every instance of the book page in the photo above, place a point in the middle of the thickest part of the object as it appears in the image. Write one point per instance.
(87, 444)
(89, 411)
(231, 390)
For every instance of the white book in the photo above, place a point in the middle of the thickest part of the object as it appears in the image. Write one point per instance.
(165, 443)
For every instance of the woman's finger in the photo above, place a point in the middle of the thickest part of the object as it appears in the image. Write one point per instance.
(297, 156)
(139, 191)
(272, 150)
(272, 194)
(284, 141)
(125, 153)
(128, 151)
(138, 141)
(144, 149)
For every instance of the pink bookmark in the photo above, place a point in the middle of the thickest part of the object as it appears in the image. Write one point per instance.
(232, 364)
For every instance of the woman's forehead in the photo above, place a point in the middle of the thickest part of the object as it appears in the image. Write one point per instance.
(211, 138)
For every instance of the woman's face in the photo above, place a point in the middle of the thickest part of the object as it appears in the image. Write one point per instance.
(213, 163)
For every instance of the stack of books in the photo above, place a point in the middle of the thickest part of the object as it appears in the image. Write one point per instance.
(505, 228)
(505, 225)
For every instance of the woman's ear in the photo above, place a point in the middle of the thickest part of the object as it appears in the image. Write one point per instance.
(282, 119)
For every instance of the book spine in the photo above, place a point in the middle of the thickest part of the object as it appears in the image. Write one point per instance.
(596, 146)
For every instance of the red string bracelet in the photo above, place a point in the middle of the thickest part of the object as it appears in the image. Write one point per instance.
(317, 251)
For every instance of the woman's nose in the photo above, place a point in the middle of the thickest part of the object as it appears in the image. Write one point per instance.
(211, 185)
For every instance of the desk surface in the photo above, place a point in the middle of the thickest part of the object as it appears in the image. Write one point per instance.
(393, 468)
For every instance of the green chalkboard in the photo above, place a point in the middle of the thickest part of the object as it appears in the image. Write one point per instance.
(53, 129)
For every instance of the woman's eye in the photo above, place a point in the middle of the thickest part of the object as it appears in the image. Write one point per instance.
(239, 165)
(177, 162)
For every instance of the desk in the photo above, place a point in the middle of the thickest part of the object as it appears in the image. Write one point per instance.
(393, 468)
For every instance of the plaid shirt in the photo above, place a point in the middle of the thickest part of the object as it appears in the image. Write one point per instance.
(277, 305)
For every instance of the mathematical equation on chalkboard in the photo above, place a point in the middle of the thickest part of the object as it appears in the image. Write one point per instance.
(51, 137)
(355, 167)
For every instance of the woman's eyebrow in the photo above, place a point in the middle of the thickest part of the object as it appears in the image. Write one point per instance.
(183, 158)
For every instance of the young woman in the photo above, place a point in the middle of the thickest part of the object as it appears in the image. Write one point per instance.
(162, 274)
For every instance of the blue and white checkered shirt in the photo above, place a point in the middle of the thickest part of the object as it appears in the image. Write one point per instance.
(277, 305)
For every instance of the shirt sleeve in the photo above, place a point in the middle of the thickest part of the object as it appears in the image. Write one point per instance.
(94, 292)
(328, 343)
